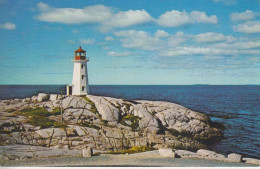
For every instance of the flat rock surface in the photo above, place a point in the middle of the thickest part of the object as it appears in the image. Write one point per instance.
(147, 159)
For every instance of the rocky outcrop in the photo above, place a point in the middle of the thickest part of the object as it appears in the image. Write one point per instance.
(103, 123)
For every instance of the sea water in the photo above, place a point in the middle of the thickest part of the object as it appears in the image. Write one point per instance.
(236, 106)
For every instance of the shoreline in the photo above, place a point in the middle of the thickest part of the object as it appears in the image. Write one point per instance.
(36, 156)
(145, 159)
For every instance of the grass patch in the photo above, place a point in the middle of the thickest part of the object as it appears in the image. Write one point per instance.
(39, 117)
(44, 122)
(133, 119)
(85, 124)
(132, 150)
(39, 111)
(56, 111)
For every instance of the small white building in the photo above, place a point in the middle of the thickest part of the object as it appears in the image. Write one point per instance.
(79, 84)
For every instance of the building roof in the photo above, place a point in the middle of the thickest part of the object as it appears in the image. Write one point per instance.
(80, 50)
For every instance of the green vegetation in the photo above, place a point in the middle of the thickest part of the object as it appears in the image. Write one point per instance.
(133, 119)
(85, 124)
(39, 117)
(93, 108)
(56, 111)
(132, 150)
(127, 106)
(39, 111)
(44, 122)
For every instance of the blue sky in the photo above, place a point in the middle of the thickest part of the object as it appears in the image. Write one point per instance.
(131, 42)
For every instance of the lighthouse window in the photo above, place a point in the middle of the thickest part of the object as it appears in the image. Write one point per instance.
(77, 54)
(83, 88)
(82, 66)
(82, 76)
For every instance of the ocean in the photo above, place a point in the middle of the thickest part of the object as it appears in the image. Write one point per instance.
(236, 106)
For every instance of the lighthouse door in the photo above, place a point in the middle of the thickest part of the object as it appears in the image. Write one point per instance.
(70, 90)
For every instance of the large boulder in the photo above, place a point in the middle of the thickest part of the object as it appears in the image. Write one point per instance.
(211, 155)
(186, 154)
(167, 152)
(43, 97)
(34, 98)
(234, 158)
(251, 161)
(53, 97)
(108, 111)
(87, 152)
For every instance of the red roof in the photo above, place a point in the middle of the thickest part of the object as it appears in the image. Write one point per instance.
(80, 50)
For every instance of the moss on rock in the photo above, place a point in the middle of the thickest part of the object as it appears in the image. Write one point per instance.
(93, 108)
(135, 149)
(133, 119)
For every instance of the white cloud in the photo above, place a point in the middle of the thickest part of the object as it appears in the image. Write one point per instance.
(176, 18)
(118, 54)
(239, 45)
(8, 25)
(190, 50)
(96, 13)
(139, 40)
(248, 27)
(227, 2)
(93, 14)
(213, 37)
(206, 44)
(161, 34)
(109, 38)
(247, 15)
(201, 17)
(87, 41)
(128, 18)
(177, 39)
(44, 7)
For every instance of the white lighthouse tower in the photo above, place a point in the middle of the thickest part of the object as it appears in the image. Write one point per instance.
(79, 84)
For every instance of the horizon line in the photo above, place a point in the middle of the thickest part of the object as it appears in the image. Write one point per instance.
(133, 84)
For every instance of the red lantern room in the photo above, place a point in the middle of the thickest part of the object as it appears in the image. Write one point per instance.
(80, 54)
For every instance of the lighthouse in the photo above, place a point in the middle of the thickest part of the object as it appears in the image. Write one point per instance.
(79, 84)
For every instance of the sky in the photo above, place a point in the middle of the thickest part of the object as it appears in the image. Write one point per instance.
(171, 42)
